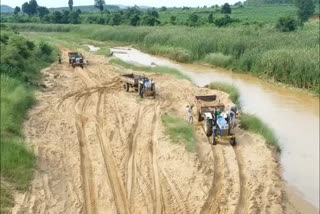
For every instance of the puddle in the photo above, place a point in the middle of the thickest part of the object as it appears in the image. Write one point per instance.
(93, 48)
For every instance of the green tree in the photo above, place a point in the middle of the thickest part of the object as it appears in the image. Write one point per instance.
(286, 24)
(42, 11)
(224, 21)
(99, 4)
(210, 18)
(226, 9)
(74, 17)
(135, 20)
(56, 17)
(17, 10)
(153, 13)
(305, 9)
(173, 20)
(26, 8)
(193, 20)
(116, 19)
(163, 8)
(70, 3)
(150, 20)
(33, 5)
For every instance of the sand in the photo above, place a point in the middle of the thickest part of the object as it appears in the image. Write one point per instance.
(100, 149)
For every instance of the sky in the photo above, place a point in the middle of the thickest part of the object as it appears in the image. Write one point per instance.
(151, 3)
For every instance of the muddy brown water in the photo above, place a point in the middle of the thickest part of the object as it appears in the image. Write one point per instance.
(293, 115)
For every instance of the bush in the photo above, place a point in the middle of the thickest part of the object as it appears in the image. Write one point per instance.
(177, 54)
(218, 59)
(224, 21)
(229, 89)
(252, 123)
(286, 24)
(45, 48)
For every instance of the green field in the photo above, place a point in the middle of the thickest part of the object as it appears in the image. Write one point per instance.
(247, 14)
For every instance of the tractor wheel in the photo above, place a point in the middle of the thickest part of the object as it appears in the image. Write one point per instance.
(233, 141)
(81, 66)
(140, 90)
(199, 117)
(214, 142)
(126, 87)
(154, 91)
(208, 129)
(73, 66)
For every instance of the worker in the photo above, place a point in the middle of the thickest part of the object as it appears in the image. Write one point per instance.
(234, 109)
(212, 111)
(190, 116)
(217, 113)
(59, 58)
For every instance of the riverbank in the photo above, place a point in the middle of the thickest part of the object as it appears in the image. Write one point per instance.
(262, 98)
(259, 51)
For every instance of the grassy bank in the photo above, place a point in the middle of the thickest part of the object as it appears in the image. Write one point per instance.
(179, 131)
(157, 69)
(252, 123)
(230, 89)
(21, 61)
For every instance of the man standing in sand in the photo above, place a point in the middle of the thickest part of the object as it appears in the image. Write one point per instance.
(190, 113)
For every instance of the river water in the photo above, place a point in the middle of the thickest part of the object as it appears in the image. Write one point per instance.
(293, 115)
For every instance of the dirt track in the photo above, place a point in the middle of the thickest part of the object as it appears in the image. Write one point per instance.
(103, 150)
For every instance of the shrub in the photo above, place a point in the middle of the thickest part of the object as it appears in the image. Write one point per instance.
(228, 88)
(224, 21)
(45, 48)
(254, 124)
(286, 24)
(226, 9)
(218, 59)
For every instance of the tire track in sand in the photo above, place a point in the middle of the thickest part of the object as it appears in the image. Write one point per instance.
(243, 203)
(155, 169)
(223, 185)
(131, 161)
(116, 184)
(85, 161)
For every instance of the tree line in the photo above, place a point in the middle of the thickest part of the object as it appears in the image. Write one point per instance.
(135, 16)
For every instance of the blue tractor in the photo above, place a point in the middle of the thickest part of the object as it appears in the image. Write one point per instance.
(221, 130)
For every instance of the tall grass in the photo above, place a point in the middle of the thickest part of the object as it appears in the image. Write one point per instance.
(44, 27)
(6, 200)
(21, 61)
(179, 131)
(291, 58)
(233, 92)
(157, 69)
(17, 160)
(174, 53)
(218, 59)
(252, 123)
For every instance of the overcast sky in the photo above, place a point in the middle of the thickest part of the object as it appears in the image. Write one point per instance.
(151, 3)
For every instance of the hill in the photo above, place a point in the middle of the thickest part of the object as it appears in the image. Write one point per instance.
(90, 8)
(6, 9)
